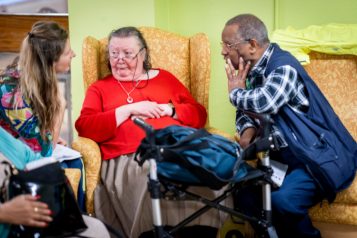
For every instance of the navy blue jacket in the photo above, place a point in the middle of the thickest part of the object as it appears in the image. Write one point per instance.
(321, 141)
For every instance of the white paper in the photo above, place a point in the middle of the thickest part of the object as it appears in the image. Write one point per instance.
(62, 153)
(279, 172)
(39, 163)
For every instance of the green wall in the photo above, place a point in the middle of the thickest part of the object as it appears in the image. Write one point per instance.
(302, 13)
(189, 17)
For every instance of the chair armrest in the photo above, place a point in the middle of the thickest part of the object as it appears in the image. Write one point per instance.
(92, 161)
(73, 175)
(213, 130)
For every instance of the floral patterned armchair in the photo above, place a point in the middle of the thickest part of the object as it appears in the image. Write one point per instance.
(189, 59)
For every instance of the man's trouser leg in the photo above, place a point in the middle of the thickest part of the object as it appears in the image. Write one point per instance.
(290, 202)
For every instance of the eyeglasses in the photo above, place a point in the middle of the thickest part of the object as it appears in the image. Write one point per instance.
(228, 46)
(128, 57)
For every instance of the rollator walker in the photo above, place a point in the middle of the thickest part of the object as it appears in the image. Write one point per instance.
(176, 190)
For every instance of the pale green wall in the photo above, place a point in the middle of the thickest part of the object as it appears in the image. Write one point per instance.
(97, 18)
(189, 17)
(302, 13)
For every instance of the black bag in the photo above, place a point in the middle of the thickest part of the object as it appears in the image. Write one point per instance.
(53, 187)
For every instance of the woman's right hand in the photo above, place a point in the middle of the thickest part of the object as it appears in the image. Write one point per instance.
(144, 109)
(25, 210)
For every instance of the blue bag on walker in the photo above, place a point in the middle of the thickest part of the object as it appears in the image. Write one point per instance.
(195, 156)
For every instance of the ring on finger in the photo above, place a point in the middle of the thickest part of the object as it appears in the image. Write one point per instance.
(36, 209)
(22, 197)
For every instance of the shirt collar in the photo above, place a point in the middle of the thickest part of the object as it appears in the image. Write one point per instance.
(261, 64)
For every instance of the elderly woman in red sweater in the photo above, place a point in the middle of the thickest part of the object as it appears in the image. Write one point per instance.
(133, 90)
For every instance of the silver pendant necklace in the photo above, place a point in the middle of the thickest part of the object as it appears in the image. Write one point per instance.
(129, 99)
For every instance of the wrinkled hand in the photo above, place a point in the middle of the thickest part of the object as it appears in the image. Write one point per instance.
(167, 111)
(237, 81)
(21, 211)
(61, 141)
(147, 109)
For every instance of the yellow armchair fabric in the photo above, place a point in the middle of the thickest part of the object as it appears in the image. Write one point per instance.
(73, 175)
(92, 161)
(189, 59)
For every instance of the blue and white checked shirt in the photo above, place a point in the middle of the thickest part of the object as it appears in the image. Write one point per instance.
(283, 86)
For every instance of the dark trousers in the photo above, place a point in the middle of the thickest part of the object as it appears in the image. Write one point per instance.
(290, 202)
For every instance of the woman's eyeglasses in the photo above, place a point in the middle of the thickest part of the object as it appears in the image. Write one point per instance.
(128, 57)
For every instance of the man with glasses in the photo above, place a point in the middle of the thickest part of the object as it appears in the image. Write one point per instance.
(315, 145)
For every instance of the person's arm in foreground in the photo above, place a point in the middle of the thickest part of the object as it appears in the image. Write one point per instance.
(21, 211)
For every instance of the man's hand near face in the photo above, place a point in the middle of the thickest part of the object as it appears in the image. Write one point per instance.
(237, 81)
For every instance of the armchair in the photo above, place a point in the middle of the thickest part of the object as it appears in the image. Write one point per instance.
(189, 59)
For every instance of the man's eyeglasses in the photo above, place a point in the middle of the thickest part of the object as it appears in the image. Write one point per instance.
(228, 46)
(128, 57)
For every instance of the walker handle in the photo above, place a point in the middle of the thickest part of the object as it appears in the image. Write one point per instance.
(149, 130)
(264, 120)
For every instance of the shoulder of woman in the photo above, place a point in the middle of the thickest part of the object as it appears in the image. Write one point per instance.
(165, 73)
(103, 81)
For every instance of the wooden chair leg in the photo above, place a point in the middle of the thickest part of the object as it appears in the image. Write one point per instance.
(218, 233)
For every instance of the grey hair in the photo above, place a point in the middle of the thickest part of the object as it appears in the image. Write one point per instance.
(129, 31)
(250, 27)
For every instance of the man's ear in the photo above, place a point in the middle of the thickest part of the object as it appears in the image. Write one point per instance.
(253, 46)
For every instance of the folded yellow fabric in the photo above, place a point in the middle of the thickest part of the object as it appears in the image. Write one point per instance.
(338, 39)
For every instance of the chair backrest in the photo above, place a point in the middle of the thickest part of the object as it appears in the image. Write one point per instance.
(189, 59)
(336, 76)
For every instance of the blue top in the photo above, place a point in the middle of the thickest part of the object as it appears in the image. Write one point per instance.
(19, 154)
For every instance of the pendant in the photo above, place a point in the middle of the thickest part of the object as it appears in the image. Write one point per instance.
(129, 99)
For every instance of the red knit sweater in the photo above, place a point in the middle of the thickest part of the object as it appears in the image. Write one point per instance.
(97, 120)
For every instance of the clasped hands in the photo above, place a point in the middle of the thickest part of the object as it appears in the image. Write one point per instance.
(147, 110)
(236, 80)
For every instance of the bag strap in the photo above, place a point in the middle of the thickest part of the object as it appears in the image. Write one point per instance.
(196, 135)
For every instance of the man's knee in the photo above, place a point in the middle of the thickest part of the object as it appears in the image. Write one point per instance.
(281, 201)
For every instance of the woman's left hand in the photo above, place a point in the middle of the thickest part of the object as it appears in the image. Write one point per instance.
(61, 141)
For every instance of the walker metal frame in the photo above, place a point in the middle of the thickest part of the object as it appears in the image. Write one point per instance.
(261, 176)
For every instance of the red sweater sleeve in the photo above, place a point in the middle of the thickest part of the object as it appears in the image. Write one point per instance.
(93, 123)
(189, 111)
